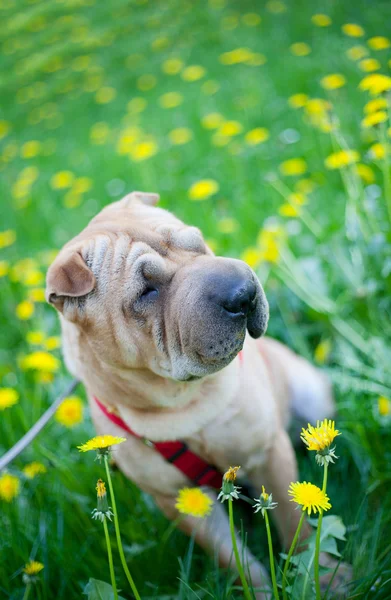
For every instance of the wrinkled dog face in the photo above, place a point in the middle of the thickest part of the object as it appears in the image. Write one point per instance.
(146, 292)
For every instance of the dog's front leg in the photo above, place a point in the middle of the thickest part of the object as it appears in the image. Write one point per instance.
(213, 534)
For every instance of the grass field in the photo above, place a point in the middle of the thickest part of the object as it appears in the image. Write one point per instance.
(267, 126)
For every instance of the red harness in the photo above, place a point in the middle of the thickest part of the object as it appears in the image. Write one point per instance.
(177, 453)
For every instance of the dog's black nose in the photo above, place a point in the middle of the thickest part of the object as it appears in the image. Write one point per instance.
(239, 299)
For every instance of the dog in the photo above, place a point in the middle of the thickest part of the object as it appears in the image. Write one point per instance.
(156, 326)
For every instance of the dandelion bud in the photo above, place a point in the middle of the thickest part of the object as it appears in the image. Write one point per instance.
(264, 502)
(229, 491)
(103, 510)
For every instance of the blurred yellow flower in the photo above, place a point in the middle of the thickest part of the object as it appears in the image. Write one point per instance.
(375, 105)
(100, 442)
(369, 64)
(210, 87)
(105, 95)
(256, 136)
(317, 106)
(256, 59)
(170, 100)
(300, 49)
(143, 150)
(378, 151)
(33, 278)
(4, 128)
(40, 361)
(375, 83)
(160, 43)
(99, 133)
(366, 173)
(33, 567)
(384, 406)
(230, 128)
(321, 20)
(70, 412)
(322, 351)
(9, 487)
(4, 268)
(276, 7)
(293, 166)
(342, 158)
(24, 310)
(298, 199)
(203, 189)
(30, 149)
(235, 57)
(252, 256)
(136, 105)
(212, 120)
(8, 397)
(374, 119)
(180, 136)
(36, 338)
(194, 502)
(62, 180)
(193, 73)
(172, 66)
(379, 42)
(353, 30)
(82, 185)
(251, 19)
(7, 238)
(357, 52)
(227, 225)
(146, 82)
(297, 100)
(309, 496)
(269, 240)
(288, 210)
(305, 186)
(37, 295)
(33, 469)
(333, 81)
(52, 343)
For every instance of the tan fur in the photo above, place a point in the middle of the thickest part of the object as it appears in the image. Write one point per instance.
(235, 412)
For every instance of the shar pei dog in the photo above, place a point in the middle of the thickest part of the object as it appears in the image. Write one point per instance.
(155, 326)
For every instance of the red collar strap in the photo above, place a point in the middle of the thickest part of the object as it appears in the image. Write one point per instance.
(177, 453)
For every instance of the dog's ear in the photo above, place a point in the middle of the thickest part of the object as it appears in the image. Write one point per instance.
(145, 197)
(69, 277)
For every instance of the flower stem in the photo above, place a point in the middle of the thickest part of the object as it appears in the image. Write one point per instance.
(27, 591)
(246, 589)
(110, 556)
(271, 557)
(288, 558)
(118, 535)
(318, 533)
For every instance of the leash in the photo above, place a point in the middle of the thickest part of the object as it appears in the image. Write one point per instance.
(36, 428)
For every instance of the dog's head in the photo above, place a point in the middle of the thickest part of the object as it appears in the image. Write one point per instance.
(146, 292)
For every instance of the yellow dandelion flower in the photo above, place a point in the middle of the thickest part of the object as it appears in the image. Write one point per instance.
(101, 442)
(342, 158)
(99, 133)
(230, 475)
(252, 256)
(180, 136)
(320, 437)
(193, 73)
(30, 149)
(375, 105)
(172, 66)
(230, 128)
(212, 120)
(297, 199)
(146, 82)
(236, 56)
(366, 173)
(37, 295)
(317, 107)
(333, 81)
(369, 64)
(357, 52)
(171, 100)
(9, 487)
(70, 412)
(269, 241)
(384, 406)
(379, 42)
(375, 84)
(353, 30)
(374, 119)
(40, 361)
(8, 397)
(276, 7)
(101, 488)
(81, 185)
(33, 469)
(256, 59)
(7, 238)
(305, 186)
(4, 268)
(378, 151)
(256, 136)
(143, 151)
(203, 189)
(25, 310)
(105, 95)
(287, 210)
(321, 20)
(309, 496)
(4, 128)
(194, 502)
(322, 351)
(251, 19)
(136, 105)
(293, 166)
(298, 100)
(300, 49)
(62, 180)
(33, 567)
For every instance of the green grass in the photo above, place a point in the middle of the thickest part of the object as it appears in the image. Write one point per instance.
(332, 281)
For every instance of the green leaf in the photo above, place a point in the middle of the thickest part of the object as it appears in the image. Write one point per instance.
(99, 590)
(332, 525)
